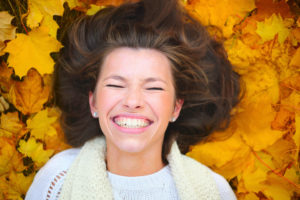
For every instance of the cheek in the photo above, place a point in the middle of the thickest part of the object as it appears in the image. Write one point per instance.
(106, 99)
(162, 105)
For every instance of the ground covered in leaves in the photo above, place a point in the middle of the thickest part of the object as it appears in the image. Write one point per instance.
(258, 153)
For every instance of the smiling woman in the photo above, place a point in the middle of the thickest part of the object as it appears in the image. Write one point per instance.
(123, 75)
(135, 99)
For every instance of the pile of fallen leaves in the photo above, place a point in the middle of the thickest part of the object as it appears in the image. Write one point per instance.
(258, 153)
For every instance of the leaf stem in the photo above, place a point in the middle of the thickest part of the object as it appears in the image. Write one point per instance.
(275, 172)
(18, 15)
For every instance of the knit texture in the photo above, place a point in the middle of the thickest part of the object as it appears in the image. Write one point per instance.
(159, 185)
(87, 177)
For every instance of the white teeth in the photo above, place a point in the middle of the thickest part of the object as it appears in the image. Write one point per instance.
(131, 123)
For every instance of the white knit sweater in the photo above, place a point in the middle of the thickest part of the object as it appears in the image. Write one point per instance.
(192, 179)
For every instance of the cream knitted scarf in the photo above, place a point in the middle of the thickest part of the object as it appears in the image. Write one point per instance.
(87, 178)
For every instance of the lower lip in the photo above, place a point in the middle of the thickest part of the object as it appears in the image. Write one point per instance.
(131, 130)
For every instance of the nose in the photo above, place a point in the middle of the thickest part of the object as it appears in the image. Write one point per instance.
(133, 99)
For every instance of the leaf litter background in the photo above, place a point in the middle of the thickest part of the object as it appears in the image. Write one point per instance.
(259, 152)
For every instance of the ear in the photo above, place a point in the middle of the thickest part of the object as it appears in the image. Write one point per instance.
(92, 102)
(177, 109)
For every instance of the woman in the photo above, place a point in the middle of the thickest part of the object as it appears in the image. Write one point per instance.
(137, 84)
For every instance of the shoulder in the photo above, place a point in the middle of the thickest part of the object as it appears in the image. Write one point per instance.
(223, 186)
(51, 175)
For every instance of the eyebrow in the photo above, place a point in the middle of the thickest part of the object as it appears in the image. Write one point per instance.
(115, 77)
(147, 80)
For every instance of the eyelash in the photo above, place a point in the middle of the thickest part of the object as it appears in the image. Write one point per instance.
(119, 86)
(115, 86)
(155, 88)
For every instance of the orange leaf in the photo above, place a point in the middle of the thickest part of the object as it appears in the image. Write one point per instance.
(5, 77)
(29, 95)
(10, 124)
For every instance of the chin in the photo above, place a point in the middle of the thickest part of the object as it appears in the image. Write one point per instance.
(131, 146)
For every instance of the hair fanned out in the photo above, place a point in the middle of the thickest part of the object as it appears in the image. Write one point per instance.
(203, 76)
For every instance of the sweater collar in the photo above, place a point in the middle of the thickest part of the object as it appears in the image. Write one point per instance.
(87, 177)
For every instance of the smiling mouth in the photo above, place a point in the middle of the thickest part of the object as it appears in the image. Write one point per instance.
(131, 122)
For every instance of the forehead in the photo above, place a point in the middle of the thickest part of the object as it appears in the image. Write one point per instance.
(136, 63)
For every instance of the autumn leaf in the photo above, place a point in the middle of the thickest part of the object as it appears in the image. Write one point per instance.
(32, 50)
(15, 185)
(256, 111)
(273, 26)
(252, 177)
(250, 196)
(41, 125)
(35, 150)
(296, 136)
(3, 104)
(42, 12)
(10, 124)
(7, 150)
(216, 154)
(283, 152)
(295, 61)
(72, 3)
(29, 95)
(93, 9)
(105, 2)
(7, 31)
(5, 78)
(254, 124)
(243, 57)
(56, 142)
(266, 8)
(296, 34)
(226, 18)
(277, 189)
(284, 120)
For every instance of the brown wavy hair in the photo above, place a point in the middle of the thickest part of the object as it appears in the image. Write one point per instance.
(203, 76)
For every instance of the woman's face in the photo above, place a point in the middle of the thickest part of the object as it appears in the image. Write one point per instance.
(135, 99)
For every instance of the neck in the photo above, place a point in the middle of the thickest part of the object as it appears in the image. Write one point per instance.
(133, 164)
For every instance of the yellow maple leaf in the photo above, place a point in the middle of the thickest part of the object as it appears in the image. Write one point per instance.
(273, 26)
(241, 55)
(296, 137)
(41, 125)
(216, 12)
(256, 111)
(6, 191)
(15, 185)
(10, 124)
(72, 3)
(217, 154)
(7, 150)
(254, 124)
(49, 25)
(277, 188)
(252, 177)
(283, 152)
(29, 95)
(93, 9)
(35, 150)
(42, 12)
(32, 50)
(7, 31)
(56, 142)
(261, 81)
(295, 61)
(250, 196)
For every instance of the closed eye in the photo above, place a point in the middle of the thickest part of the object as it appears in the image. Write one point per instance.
(114, 86)
(155, 88)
